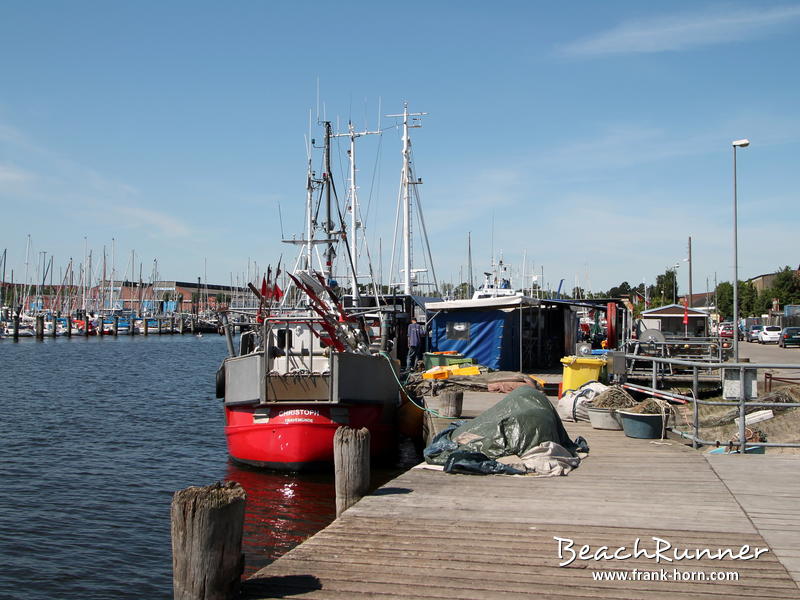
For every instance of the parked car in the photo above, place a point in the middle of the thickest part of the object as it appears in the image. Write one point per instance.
(726, 330)
(752, 335)
(790, 336)
(770, 333)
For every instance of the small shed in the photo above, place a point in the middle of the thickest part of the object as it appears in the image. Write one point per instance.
(507, 332)
(669, 320)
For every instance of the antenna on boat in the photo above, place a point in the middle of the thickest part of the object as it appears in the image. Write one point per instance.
(280, 217)
(318, 99)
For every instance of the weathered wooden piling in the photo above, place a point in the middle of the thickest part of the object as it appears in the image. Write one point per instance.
(54, 333)
(172, 324)
(116, 325)
(226, 326)
(450, 403)
(131, 326)
(69, 326)
(160, 323)
(181, 325)
(39, 327)
(351, 466)
(16, 327)
(207, 559)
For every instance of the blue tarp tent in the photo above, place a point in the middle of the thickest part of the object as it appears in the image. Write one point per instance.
(488, 336)
(508, 333)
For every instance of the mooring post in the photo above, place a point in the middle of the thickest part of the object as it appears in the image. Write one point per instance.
(172, 323)
(144, 326)
(207, 559)
(181, 325)
(131, 325)
(55, 326)
(69, 326)
(350, 466)
(116, 325)
(160, 322)
(228, 335)
(451, 403)
(39, 327)
(16, 327)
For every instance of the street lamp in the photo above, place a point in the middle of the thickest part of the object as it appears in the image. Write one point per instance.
(736, 144)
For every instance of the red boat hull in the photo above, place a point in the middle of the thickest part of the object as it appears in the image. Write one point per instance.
(298, 437)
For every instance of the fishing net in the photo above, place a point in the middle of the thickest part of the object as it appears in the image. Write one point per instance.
(613, 397)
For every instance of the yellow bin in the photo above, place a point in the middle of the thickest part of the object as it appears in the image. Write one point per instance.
(580, 370)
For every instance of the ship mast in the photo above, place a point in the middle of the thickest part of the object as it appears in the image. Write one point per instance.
(327, 182)
(406, 181)
(355, 223)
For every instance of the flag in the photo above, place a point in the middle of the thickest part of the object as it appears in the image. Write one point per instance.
(277, 293)
(259, 317)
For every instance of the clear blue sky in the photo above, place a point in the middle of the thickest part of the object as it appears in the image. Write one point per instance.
(596, 135)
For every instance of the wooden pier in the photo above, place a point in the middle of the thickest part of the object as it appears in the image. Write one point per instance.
(428, 534)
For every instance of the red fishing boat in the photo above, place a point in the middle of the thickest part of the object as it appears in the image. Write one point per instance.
(310, 365)
(310, 370)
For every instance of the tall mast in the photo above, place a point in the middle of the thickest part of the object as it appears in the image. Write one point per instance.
(355, 224)
(309, 214)
(406, 181)
(327, 181)
(113, 266)
(469, 263)
(406, 176)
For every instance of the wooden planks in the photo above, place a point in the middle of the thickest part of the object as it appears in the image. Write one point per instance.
(768, 489)
(427, 534)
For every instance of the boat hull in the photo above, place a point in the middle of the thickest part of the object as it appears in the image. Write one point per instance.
(299, 437)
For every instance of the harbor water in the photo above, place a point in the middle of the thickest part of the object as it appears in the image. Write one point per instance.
(97, 435)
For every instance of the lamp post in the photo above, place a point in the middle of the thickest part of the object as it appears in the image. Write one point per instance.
(736, 144)
(675, 283)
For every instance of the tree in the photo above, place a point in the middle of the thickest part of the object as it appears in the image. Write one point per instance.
(623, 289)
(724, 294)
(787, 286)
(666, 289)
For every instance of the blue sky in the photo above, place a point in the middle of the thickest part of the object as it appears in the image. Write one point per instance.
(596, 136)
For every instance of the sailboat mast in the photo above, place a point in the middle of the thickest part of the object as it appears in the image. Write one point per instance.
(309, 215)
(406, 181)
(113, 266)
(355, 224)
(329, 252)
(469, 263)
(406, 204)
(353, 216)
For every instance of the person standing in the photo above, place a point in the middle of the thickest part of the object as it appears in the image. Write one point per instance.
(416, 343)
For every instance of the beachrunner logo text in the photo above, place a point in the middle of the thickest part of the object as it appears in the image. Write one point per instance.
(663, 551)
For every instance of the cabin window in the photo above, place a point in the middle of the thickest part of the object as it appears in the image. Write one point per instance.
(457, 330)
(284, 338)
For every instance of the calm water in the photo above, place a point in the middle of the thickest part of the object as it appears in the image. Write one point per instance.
(96, 436)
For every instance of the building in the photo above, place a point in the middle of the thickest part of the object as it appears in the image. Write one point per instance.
(669, 320)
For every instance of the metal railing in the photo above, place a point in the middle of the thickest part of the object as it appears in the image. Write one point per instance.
(742, 402)
(706, 350)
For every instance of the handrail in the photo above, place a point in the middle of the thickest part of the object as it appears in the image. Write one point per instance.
(742, 403)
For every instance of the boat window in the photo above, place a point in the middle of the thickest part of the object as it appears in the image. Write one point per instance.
(457, 330)
(284, 338)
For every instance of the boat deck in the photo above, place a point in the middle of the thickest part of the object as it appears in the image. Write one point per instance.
(427, 534)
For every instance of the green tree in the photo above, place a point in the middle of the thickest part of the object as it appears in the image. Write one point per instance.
(787, 286)
(724, 294)
(666, 289)
(748, 299)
